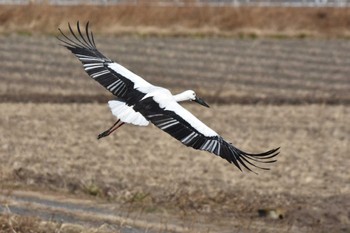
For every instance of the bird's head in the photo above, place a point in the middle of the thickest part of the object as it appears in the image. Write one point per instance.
(191, 95)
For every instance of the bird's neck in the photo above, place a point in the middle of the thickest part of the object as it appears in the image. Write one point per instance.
(181, 97)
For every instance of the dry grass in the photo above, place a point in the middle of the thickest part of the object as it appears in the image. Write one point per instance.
(146, 20)
(11, 224)
(54, 147)
(23, 224)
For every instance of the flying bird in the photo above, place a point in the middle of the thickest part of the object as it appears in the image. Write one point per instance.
(138, 102)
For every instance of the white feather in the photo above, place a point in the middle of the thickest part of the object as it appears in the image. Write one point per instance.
(139, 83)
(126, 113)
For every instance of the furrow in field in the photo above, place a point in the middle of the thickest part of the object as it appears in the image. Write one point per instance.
(317, 54)
(293, 72)
(318, 57)
(268, 62)
(232, 67)
(272, 58)
(36, 76)
(222, 45)
(232, 90)
(31, 79)
(50, 70)
(221, 57)
(259, 81)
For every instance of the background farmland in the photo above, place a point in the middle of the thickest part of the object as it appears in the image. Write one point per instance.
(285, 83)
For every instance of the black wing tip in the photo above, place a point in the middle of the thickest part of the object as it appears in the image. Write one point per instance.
(248, 160)
(263, 154)
(78, 40)
(267, 157)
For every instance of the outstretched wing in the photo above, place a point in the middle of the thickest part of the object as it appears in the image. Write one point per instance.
(114, 77)
(182, 125)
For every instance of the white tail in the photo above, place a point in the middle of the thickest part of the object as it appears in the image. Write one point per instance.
(126, 113)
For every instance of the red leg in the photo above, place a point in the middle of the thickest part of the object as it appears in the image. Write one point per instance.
(114, 127)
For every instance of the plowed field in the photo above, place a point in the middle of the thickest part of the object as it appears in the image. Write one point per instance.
(263, 93)
(222, 70)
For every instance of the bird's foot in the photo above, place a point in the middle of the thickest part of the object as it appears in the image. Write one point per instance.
(104, 134)
(110, 130)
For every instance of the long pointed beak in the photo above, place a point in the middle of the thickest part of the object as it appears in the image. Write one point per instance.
(201, 102)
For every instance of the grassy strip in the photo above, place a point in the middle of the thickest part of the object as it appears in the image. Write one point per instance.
(180, 21)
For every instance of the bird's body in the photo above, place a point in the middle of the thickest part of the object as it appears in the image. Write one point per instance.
(139, 103)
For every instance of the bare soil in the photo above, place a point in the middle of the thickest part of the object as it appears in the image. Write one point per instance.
(263, 94)
(53, 147)
(38, 69)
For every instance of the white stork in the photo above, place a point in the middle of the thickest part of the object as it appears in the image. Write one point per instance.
(139, 102)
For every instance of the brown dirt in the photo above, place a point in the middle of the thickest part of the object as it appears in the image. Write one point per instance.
(226, 71)
(54, 147)
(189, 20)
